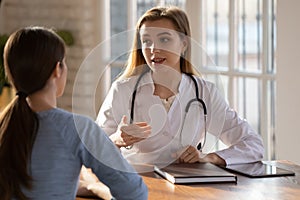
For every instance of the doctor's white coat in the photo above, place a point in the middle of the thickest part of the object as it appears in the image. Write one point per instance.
(173, 131)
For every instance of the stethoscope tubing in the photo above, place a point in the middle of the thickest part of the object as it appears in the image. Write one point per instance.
(196, 99)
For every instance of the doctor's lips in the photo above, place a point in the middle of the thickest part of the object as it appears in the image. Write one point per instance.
(158, 60)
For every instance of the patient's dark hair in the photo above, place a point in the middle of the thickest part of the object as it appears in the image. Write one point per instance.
(30, 56)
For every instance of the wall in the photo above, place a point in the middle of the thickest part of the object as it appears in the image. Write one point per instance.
(83, 20)
(288, 91)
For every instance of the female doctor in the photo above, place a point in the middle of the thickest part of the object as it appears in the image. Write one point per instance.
(160, 110)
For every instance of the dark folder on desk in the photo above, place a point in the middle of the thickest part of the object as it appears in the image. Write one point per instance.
(180, 173)
(258, 170)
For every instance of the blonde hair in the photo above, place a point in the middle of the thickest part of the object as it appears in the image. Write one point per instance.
(136, 62)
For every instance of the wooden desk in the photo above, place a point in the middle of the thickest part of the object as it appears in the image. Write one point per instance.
(281, 188)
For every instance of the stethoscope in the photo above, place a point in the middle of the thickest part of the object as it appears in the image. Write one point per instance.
(196, 99)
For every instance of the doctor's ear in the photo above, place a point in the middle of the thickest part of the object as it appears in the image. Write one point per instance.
(184, 45)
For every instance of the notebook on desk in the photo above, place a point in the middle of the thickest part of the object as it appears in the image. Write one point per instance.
(181, 173)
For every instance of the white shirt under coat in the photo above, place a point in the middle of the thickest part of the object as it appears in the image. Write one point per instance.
(244, 144)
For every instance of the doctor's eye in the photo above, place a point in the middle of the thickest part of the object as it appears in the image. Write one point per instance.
(146, 42)
(164, 39)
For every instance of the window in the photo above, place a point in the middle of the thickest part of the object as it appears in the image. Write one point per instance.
(240, 39)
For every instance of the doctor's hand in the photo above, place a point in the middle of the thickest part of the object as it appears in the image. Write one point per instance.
(188, 154)
(128, 134)
(191, 154)
(212, 158)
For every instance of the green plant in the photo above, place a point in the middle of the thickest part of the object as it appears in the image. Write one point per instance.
(3, 80)
(66, 36)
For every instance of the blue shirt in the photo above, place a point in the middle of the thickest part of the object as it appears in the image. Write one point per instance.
(66, 141)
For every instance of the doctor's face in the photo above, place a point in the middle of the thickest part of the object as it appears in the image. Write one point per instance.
(162, 45)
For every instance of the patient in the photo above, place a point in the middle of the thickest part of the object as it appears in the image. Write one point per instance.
(42, 147)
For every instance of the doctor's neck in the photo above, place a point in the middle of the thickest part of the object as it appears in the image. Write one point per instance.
(166, 84)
